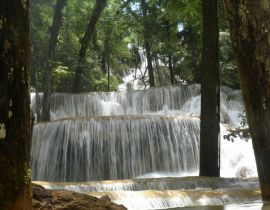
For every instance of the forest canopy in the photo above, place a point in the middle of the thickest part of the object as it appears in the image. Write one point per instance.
(174, 31)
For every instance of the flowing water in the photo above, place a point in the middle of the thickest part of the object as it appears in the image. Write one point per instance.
(179, 198)
(151, 101)
(171, 100)
(114, 147)
(133, 139)
(167, 183)
(139, 194)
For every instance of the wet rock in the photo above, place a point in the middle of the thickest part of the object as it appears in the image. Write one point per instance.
(44, 199)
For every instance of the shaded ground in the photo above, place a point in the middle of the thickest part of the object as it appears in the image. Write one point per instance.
(60, 199)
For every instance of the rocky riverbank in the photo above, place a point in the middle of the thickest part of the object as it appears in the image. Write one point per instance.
(60, 199)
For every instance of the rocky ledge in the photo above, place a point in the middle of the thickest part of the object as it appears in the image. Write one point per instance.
(44, 199)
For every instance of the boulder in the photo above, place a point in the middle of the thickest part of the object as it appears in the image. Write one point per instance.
(44, 199)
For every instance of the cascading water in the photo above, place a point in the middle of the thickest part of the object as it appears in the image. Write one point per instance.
(138, 134)
(120, 103)
(114, 147)
(171, 100)
(168, 183)
(163, 193)
(135, 125)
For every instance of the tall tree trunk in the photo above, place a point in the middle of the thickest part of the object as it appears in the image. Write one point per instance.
(90, 29)
(67, 25)
(109, 72)
(196, 70)
(106, 50)
(34, 83)
(210, 101)
(55, 28)
(147, 46)
(171, 69)
(250, 30)
(170, 54)
(158, 71)
(15, 124)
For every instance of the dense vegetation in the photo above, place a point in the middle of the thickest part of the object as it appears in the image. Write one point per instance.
(81, 45)
(174, 34)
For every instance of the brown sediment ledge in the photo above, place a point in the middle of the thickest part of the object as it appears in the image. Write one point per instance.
(122, 117)
(61, 199)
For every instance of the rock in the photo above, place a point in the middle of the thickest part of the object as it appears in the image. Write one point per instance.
(66, 200)
(40, 193)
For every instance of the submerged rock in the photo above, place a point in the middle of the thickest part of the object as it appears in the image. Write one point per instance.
(60, 199)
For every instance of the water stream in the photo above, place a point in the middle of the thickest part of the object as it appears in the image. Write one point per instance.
(134, 140)
(162, 193)
(114, 147)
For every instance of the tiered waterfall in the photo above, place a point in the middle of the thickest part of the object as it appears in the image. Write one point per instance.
(135, 135)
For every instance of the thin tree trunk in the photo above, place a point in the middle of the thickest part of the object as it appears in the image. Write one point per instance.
(171, 69)
(194, 55)
(34, 80)
(15, 123)
(158, 70)
(168, 31)
(67, 26)
(149, 64)
(90, 29)
(103, 62)
(210, 101)
(109, 72)
(38, 106)
(55, 28)
(147, 46)
(250, 30)
(108, 52)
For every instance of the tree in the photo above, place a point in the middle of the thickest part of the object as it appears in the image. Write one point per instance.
(147, 46)
(170, 53)
(174, 32)
(250, 31)
(210, 98)
(56, 24)
(15, 125)
(89, 32)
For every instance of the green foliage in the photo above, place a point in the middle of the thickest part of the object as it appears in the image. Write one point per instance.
(62, 78)
(228, 66)
(175, 31)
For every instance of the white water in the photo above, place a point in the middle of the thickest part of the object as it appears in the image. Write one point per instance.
(139, 134)
(161, 193)
(152, 101)
(168, 183)
(171, 100)
(126, 147)
(114, 147)
(137, 143)
(169, 192)
(237, 158)
(151, 199)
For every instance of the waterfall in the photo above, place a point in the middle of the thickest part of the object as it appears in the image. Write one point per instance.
(171, 100)
(151, 199)
(168, 183)
(124, 143)
(143, 135)
(123, 147)
(119, 103)
(163, 193)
